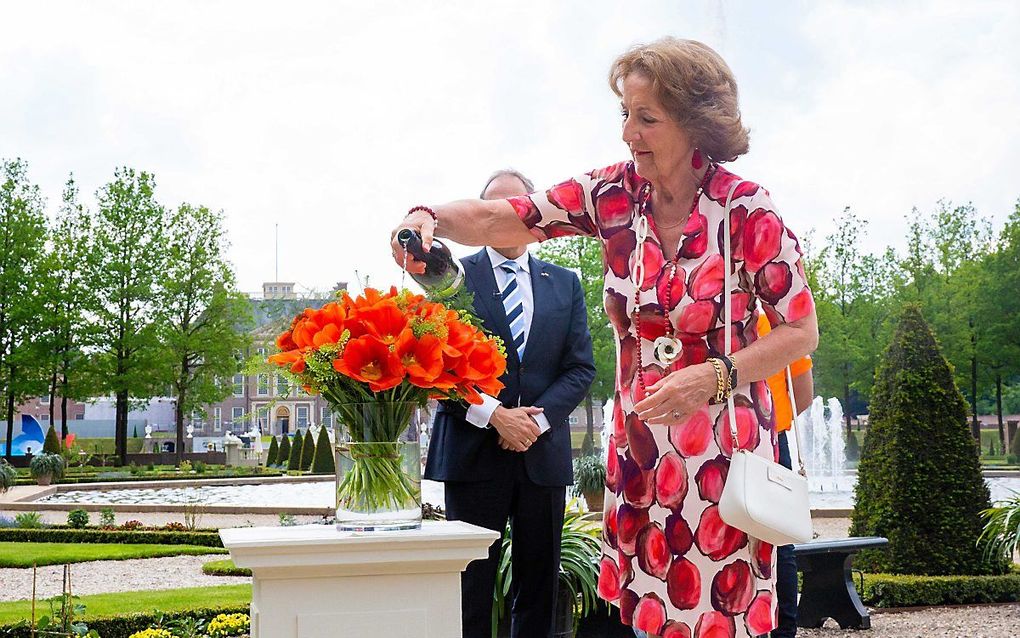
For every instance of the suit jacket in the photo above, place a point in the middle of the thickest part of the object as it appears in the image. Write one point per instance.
(556, 372)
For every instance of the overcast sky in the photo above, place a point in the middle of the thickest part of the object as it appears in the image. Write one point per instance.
(332, 118)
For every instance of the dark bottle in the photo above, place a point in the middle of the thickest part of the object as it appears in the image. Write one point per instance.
(443, 272)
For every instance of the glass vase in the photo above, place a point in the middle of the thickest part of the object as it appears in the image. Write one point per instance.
(378, 466)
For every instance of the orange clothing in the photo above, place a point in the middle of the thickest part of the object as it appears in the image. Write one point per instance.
(777, 382)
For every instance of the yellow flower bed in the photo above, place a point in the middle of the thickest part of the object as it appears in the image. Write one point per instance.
(228, 625)
(152, 633)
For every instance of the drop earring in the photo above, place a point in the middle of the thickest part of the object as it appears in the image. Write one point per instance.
(696, 160)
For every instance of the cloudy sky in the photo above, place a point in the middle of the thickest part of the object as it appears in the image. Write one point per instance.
(332, 118)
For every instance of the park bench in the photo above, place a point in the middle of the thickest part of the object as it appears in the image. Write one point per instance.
(827, 590)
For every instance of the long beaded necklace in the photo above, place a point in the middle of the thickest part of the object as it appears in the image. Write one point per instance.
(668, 347)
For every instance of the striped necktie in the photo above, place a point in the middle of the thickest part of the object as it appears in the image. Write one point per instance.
(513, 303)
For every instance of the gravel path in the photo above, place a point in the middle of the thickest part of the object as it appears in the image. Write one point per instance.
(991, 621)
(101, 576)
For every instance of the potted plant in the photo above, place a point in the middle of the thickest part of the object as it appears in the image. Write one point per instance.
(8, 475)
(46, 467)
(590, 481)
(580, 549)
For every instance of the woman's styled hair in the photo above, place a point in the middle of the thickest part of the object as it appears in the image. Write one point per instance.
(696, 87)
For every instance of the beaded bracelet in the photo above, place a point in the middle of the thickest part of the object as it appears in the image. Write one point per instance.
(428, 210)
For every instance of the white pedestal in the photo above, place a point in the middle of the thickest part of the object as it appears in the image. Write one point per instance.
(315, 582)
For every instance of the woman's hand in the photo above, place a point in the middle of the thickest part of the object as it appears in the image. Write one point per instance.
(422, 222)
(675, 397)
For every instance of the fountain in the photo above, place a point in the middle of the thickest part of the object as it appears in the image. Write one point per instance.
(825, 445)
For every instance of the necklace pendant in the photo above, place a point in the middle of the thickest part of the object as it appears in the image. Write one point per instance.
(667, 350)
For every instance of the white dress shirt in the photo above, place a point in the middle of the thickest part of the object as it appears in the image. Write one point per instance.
(479, 415)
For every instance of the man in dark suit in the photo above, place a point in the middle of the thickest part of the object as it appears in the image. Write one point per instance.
(509, 459)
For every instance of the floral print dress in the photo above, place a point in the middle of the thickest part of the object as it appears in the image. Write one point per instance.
(669, 562)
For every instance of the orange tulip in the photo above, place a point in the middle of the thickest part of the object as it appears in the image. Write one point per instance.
(422, 358)
(293, 358)
(369, 360)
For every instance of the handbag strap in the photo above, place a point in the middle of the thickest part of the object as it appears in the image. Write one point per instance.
(728, 336)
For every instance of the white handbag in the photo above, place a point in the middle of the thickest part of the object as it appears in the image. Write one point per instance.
(761, 498)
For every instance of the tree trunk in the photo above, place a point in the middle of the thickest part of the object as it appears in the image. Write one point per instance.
(10, 425)
(120, 425)
(998, 412)
(53, 400)
(975, 425)
(847, 416)
(10, 409)
(63, 406)
(179, 420)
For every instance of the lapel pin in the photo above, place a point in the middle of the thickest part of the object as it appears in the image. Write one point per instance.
(545, 274)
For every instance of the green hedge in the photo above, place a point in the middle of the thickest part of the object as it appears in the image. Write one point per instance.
(241, 473)
(890, 590)
(124, 626)
(66, 535)
(224, 568)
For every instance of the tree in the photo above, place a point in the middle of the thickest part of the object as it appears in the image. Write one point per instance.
(22, 236)
(919, 481)
(323, 462)
(202, 319)
(283, 457)
(307, 451)
(69, 303)
(849, 290)
(129, 253)
(941, 254)
(52, 443)
(274, 451)
(583, 255)
(294, 460)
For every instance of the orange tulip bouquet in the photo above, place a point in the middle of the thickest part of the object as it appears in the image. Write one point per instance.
(376, 359)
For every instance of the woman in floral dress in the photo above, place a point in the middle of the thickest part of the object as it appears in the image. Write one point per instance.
(669, 562)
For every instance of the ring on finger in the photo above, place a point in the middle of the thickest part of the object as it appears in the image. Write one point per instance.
(676, 414)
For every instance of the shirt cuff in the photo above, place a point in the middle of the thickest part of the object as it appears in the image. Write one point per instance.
(543, 423)
(479, 415)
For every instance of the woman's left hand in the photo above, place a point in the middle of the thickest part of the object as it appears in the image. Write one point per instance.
(678, 395)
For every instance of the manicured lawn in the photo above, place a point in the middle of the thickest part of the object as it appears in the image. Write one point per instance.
(124, 603)
(224, 568)
(25, 554)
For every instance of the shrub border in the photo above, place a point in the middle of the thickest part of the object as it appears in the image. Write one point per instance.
(67, 535)
(225, 567)
(896, 590)
(124, 626)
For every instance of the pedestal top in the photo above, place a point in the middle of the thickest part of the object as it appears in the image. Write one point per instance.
(319, 535)
(323, 547)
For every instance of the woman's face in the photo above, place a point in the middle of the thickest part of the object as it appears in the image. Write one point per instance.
(660, 148)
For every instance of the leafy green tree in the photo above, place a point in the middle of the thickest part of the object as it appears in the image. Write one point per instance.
(202, 319)
(942, 250)
(851, 296)
(283, 457)
(323, 462)
(998, 312)
(919, 481)
(130, 252)
(294, 460)
(274, 451)
(307, 451)
(22, 237)
(583, 255)
(69, 304)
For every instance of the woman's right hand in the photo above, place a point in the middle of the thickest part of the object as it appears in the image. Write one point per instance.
(422, 222)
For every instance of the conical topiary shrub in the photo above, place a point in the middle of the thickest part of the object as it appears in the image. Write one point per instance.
(284, 454)
(294, 460)
(919, 482)
(52, 443)
(274, 451)
(323, 462)
(307, 451)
